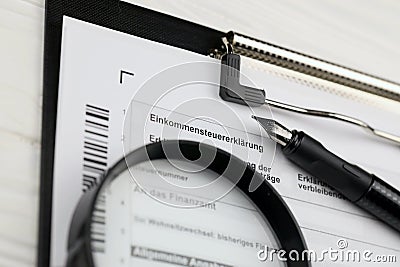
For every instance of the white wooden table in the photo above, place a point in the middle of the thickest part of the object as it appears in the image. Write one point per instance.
(355, 33)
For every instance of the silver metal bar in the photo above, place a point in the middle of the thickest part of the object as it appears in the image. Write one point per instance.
(312, 66)
(335, 116)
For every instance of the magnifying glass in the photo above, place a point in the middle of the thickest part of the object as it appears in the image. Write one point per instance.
(158, 207)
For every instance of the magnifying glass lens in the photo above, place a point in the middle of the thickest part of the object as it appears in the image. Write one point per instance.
(165, 213)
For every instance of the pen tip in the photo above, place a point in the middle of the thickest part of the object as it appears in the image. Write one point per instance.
(258, 119)
(275, 130)
(267, 124)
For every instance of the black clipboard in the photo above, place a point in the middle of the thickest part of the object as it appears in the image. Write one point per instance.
(119, 16)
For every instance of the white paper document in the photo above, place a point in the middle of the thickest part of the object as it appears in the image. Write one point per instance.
(111, 101)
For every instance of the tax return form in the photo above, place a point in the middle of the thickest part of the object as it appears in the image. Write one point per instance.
(102, 70)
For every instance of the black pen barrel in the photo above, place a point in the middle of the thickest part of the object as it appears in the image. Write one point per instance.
(383, 201)
(360, 187)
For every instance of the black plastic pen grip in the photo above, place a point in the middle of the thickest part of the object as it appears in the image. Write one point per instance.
(364, 189)
(310, 155)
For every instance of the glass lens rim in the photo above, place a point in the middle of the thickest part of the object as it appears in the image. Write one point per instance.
(265, 198)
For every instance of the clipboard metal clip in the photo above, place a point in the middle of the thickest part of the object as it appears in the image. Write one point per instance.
(232, 90)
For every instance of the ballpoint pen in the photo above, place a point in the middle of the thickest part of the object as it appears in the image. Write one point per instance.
(360, 187)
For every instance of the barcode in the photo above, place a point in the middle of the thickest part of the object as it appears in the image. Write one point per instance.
(95, 145)
(98, 226)
(95, 160)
